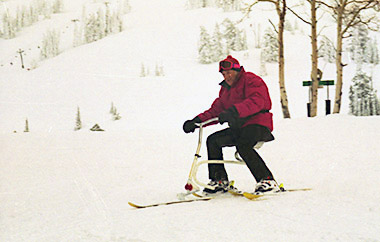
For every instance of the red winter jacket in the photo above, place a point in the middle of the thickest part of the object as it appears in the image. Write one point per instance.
(249, 94)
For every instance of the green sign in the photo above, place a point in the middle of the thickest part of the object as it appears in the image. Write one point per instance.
(321, 83)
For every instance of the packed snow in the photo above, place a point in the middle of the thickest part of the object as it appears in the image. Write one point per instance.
(57, 184)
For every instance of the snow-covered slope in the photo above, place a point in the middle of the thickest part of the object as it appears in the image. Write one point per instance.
(61, 185)
(75, 186)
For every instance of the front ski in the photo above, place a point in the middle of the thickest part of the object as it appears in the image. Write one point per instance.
(169, 203)
(253, 196)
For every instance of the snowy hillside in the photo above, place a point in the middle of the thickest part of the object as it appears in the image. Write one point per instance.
(75, 186)
(61, 185)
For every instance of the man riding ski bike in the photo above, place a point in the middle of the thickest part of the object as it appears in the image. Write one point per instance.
(244, 103)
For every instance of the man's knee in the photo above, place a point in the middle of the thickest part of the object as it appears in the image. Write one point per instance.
(244, 149)
(211, 141)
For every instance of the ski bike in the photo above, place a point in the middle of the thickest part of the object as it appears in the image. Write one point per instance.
(193, 184)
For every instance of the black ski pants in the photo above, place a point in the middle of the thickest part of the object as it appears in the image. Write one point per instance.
(244, 139)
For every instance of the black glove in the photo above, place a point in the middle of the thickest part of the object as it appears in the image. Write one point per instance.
(231, 116)
(189, 125)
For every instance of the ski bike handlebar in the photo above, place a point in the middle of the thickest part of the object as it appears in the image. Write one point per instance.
(208, 121)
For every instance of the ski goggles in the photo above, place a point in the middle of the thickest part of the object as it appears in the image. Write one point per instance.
(226, 65)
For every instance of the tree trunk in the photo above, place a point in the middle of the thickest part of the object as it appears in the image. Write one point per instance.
(314, 60)
(338, 60)
(281, 61)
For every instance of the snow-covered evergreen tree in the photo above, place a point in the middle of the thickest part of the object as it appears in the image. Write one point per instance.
(89, 29)
(57, 6)
(143, 71)
(102, 24)
(359, 46)
(50, 44)
(216, 46)
(226, 5)
(288, 26)
(159, 70)
(270, 46)
(241, 40)
(125, 6)
(229, 5)
(373, 52)
(78, 123)
(326, 50)
(9, 26)
(263, 69)
(204, 47)
(257, 35)
(230, 34)
(112, 109)
(26, 130)
(114, 112)
(363, 98)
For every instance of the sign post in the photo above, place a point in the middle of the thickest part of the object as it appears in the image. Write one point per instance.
(327, 101)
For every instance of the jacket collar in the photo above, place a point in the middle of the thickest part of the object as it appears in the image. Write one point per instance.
(225, 85)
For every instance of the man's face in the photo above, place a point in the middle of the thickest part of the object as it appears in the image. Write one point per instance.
(230, 76)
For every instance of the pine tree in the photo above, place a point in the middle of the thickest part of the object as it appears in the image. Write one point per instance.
(26, 126)
(217, 49)
(327, 50)
(112, 109)
(240, 42)
(126, 7)
(57, 6)
(363, 98)
(100, 24)
(89, 29)
(230, 34)
(244, 42)
(257, 35)
(270, 46)
(204, 47)
(159, 70)
(263, 69)
(78, 124)
(229, 5)
(9, 28)
(143, 72)
(50, 44)
(115, 114)
(359, 44)
(373, 52)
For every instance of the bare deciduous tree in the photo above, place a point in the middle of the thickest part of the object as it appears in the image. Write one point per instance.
(280, 6)
(315, 72)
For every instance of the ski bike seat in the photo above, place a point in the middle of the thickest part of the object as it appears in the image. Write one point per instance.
(266, 137)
